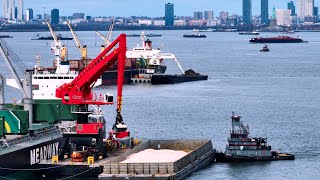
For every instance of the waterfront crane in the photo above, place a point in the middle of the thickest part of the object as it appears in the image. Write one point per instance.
(107, 38)
(60, 50)
(83, 49)
(79, 91)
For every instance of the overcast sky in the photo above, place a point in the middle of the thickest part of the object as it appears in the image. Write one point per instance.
(151, 8)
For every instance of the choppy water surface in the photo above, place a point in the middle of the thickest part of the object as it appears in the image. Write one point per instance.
(277, 93)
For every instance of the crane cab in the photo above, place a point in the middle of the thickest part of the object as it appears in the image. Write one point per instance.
(95, 125)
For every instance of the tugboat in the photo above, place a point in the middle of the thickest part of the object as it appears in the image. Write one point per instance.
(265, 49)
(241, 147)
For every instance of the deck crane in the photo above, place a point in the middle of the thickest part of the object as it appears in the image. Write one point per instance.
(83, 49)
(79, 91)
(107, 38)
(59, 49)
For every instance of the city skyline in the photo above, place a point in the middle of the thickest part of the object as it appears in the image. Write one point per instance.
(113, 8)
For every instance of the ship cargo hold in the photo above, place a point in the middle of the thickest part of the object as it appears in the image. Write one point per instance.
(186, 156)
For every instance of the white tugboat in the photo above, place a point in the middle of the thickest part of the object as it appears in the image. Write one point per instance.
(241, 147)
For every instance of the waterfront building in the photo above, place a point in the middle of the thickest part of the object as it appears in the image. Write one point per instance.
(292, 7)
(20, 10)
(283, 17)
(169, 14)
(208, 15)
(265, 12)
(179, 23)
(29, 14)
(198, 15)
(78, 16)
(145, 22)
(8, 9)
(247, 11)
(159, 22)
(55, 16)
(223, 17)
(305, 8)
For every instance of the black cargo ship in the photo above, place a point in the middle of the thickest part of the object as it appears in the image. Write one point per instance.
(279, 39)
(189, 75)
(146, 35)
(5, 36)
(59, 36)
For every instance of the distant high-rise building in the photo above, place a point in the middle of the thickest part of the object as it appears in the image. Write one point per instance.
(208, 15)
(247, 11)
(78, 15)
(292, 7)
(8, 9)
(305, 8)
(223, 17)
(55, 16)
(169, 14)
(20, 10)
(39, 16)
(264, 12)
(197, 15)
(16, 13)
(29, 14)
(283, 17)
(316, 13)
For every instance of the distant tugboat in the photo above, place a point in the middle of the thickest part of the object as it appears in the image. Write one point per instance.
(265, 49)
(241, 147)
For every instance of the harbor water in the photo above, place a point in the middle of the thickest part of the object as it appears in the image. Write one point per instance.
(277, 93)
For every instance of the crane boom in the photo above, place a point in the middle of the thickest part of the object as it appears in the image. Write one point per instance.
(75, 37)
(79, 90)
(101, 36)
(82, 49)
(55, 38)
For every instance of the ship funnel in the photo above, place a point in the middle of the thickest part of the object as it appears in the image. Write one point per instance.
(148, 44)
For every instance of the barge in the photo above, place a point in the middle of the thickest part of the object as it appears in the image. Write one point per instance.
(279, 39)
(188, 76)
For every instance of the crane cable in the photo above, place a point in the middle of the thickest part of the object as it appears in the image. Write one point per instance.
(15, 59)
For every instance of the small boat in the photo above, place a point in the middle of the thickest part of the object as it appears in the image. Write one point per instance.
(265, 49)
(194, 36)
(59, 36)
(5, 36)
(249, 33)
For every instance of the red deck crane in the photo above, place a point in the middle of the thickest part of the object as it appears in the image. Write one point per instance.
(79, 91)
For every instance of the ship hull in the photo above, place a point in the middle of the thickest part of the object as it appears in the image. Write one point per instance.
(262, 40)
(28, 157)
(111, 77)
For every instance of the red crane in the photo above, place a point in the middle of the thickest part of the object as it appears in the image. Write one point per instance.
(79, 91)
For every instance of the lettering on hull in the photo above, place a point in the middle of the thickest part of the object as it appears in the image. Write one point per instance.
(43, 153)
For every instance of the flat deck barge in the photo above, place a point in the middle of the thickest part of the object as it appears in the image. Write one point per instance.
(199, 153)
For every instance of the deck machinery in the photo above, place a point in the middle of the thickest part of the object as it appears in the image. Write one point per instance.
(79, 94)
